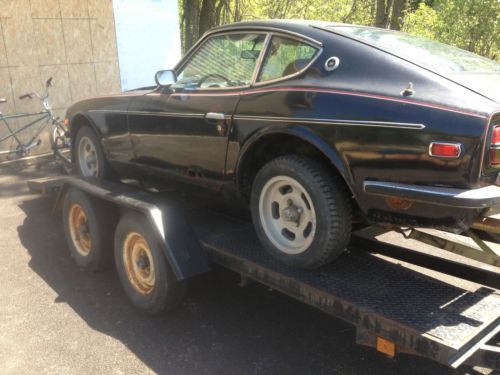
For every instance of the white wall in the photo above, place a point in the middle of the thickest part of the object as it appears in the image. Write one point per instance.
(148, 39)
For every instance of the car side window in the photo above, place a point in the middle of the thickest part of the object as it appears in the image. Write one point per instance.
(285, 57)
(222, 61)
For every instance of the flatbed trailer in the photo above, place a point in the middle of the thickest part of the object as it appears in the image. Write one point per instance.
(395, 308)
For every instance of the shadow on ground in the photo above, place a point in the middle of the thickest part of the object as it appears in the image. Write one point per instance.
(221, 328)
(13, 177)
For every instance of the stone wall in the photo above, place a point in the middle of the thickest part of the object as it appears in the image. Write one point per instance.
(72, 41)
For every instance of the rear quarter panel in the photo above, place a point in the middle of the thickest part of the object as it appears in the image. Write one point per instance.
(367, 87)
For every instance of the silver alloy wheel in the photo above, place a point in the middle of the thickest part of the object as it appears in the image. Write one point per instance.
(287, 215)
(87, 157)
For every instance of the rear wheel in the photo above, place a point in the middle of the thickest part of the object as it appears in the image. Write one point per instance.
(144, 272)
(301, 212)
(87, 227)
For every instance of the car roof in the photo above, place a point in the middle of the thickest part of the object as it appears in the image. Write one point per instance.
(304, 27)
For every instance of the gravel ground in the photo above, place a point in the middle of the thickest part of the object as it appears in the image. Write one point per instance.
(55, 318)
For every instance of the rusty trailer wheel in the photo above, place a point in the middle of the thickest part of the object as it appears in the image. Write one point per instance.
(79, 229)
(88, 228)
(143, 269)
(139, 263)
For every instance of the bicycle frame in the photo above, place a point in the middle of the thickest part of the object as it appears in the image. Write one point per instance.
(46, 115)
(13, 134)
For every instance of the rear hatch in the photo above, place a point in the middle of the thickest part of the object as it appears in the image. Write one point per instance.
(486, 84)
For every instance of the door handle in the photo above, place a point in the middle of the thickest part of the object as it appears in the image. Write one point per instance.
(215, 116)
(219, 119)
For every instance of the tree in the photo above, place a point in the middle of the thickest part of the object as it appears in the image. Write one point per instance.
(382, 15)
(189, 22)
(468, 24)
(398, 9)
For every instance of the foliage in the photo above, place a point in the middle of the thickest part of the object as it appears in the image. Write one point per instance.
(468, 24)
(421, 22)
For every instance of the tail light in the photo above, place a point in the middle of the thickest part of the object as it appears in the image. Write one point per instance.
(495, 146)
(445, 150)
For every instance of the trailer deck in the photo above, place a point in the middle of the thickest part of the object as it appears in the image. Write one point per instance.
(394, 308)
(420, 314)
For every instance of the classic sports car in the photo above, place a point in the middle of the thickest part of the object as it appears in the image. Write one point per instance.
(312, 124)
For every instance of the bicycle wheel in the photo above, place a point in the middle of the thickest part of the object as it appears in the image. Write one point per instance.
(61, 143)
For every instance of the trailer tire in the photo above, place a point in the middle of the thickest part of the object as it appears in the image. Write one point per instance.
(144, 271)
(87, 228)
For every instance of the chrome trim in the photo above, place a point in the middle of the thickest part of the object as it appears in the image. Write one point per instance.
(148, 113)
(215, 116)
(460, 146)
(260, 59)
(336, 64)
(483, 197)
(301, 120)
(264, 29)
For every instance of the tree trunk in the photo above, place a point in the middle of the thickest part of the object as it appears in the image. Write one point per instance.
(383, 12)
(380, 14)
(190, 22)
(398, 9)
(207, 16)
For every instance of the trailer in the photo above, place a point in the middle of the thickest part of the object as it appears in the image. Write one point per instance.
(399, 300)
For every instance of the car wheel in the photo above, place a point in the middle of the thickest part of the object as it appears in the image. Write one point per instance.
(87, 228)
(301, 211)
(89, 157)
(144, 272)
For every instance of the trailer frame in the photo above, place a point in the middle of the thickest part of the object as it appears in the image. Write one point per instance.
(394, 308)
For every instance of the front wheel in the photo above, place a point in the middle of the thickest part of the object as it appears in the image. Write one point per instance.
(89, 156)
(301, 211)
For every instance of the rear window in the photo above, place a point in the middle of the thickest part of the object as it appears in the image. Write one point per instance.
(429, 53)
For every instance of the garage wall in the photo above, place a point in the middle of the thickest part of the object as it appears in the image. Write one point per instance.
(71, 40)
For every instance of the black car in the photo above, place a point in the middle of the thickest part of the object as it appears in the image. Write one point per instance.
(312, 124)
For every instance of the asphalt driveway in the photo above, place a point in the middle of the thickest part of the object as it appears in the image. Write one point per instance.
(55, 318)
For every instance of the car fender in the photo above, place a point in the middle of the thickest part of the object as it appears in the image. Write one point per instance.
(76, 122)
(305, 134)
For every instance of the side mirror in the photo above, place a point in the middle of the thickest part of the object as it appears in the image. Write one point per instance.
(165, 77)
(49, 82)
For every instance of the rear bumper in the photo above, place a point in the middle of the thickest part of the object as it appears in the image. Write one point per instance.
(485, 197)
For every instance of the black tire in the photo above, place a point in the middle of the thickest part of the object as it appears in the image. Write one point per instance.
(90, 243)
(330, 199)
(165, 293)
(87, 134)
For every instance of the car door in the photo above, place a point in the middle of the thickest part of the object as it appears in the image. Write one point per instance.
(182, 131)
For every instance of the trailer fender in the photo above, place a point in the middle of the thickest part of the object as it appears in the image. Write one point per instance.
(180, 243)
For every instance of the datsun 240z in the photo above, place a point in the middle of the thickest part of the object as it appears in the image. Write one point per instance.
(311, 124)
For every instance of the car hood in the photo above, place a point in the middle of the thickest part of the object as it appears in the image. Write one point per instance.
(486, 84)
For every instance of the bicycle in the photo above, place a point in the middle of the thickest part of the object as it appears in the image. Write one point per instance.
(59, 139)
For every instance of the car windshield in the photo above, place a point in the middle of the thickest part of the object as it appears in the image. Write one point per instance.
(428, 53)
